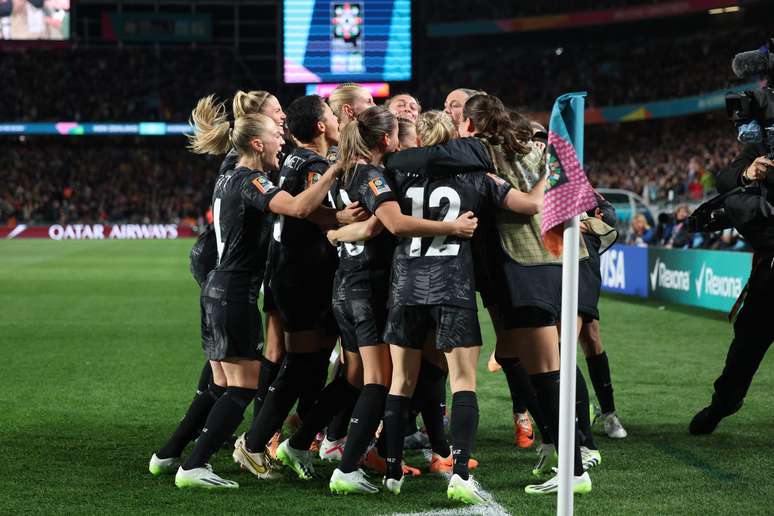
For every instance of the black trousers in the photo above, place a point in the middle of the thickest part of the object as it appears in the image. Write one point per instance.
(753, 334)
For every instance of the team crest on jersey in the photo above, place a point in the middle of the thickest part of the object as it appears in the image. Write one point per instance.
(312, 178)
(378, 186)
(263, 184)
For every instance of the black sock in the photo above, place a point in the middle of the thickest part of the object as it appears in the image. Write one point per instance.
(599, 372)
(223, 420)
(269, 371)
(464, 425)
(339, 393)
(547, 390)
(339, 425)
(410, 425)
(205, 377)
(518, 382)
(283, 393)
(191, 424)
(366, 415)
(313, 385)
(582, 411)
(433, 381)
(396, 410)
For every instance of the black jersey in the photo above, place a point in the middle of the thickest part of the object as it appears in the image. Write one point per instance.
(370, 187)
(239, 207)
(299, 244)
(439, 270)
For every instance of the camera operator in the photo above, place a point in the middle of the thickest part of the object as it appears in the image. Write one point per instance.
(753, 330)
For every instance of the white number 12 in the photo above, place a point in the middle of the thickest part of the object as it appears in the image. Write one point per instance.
(438, 247)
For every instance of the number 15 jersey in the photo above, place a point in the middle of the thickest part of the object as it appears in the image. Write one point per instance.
(439, 270)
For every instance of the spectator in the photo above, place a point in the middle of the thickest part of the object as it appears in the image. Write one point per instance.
(641, 234)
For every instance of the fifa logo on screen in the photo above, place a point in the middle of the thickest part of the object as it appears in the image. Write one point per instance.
(347, 37)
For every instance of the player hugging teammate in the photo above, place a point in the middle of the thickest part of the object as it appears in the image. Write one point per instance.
(416, 233)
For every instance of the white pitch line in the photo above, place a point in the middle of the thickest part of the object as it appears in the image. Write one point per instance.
(490, 509)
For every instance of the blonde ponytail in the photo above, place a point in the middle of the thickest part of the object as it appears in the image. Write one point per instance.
(245, 103)
(361, 136)
(434, 127)
(345, 93)
(211, 127)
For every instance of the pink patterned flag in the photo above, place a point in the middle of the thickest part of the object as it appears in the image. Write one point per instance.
(568, 192)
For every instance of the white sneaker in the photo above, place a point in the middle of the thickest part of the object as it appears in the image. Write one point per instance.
(299, 461)
(202, 477)
(590, 458)
(355, 482)
(159, 466)
(613, 427)
(546, 460)
(332, 451)
(580, 485)
(466, 491)
(393, 485)
(259, 464)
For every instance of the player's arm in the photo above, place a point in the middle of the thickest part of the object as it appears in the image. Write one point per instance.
(456, 156)
(530, 203)
(331, 217)
(305, 203)
(402, 225)
(356, 232)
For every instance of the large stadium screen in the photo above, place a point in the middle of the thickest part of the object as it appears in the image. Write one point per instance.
(335, 41)
(34, 19)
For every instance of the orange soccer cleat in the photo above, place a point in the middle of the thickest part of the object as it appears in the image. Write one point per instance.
(274, 443)
(440, 464)
(377, 463)
(524, 436)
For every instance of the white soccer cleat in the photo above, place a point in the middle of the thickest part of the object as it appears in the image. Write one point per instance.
(299, 461)
(355, 482)
(159, 466)
(580, 485)
(613, 427)
(332, 451)
(203, 478)
(590, 458)
(393, 485)
(467, 491)
(259, 464)
(546, 460)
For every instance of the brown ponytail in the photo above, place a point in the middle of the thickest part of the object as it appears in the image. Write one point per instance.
(494, 123)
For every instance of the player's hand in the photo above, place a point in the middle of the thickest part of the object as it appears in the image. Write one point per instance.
(352, 213)
(758, 170)
(332, 237)
(465, 225)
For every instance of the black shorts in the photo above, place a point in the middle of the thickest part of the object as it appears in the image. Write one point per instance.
(206, 330)
(361, 321)
(304, 301)
(511, 318)
(454, 326)
(236, 330)
(589, 286)
(538, 286)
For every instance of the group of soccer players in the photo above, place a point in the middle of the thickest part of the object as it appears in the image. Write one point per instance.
(373, 227)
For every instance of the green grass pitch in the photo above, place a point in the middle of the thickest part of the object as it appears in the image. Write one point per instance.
(101, 354)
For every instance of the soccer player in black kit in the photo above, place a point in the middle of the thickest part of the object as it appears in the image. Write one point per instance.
(203, 259)
(360, 297)
(301, 268)
(432, 291)
(242, 198)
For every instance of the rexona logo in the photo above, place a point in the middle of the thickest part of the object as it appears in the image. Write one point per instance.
(116, 232)
(613, 269)
(664, 277)
(717, 285)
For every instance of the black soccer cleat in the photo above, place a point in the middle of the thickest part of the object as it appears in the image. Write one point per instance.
(708, 419)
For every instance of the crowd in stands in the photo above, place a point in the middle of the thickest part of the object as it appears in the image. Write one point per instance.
(83, 182)
(113, 84)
